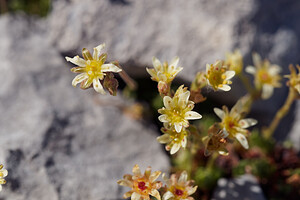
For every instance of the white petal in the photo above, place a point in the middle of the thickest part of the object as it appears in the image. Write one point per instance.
(165, 138)
(224, 133)
(178, 127)
(150, 71)
(168, 195)
(184, 142)
(207, 67)
(220, 113)
(250, 69)
(183, 99)
(267, 91)
(229, 74)
(163, 118)
(156, 64)
(97, 51)
(183, 177)
(245, 123)
(192, 115)
(97, 86)
(135, 196)
(155, 194)
(174, 62)
(4, 173)
(0, 187)
(79, 78)
(225, 87)
(192, 190)
(77, 61)
(256, 59)
(242, 139)
(175, 148)
(274, 70)
(110, 68)
(167, 102)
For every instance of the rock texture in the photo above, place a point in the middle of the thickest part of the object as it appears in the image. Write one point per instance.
(242, 188)
(58, 142)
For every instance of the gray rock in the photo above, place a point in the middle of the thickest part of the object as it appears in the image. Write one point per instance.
(58, 142)
(244, 187)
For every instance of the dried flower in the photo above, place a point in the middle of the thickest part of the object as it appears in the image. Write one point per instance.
(218, 76)
(141, 185)
(177, 110)
(179, 188)
(173, 139)
(215, 141)
(3, 173)
(165, 73)
(91, 69)
(233, 124)
(266, 75)
(234, 61)
(294, 78)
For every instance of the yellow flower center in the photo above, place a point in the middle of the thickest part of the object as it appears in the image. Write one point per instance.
(229, 124)
(93, 69)
(216, 77)
(264, 77)
(175, 115)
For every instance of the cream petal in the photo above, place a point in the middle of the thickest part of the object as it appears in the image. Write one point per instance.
(167, 102)
(110, 68)
(135, 196)
(78, 69)
(127, 195)
(79, 78)
(163, 118)
(242, 139)
(154, 176)
(151, 72)
(184, 142)
(156, 194)
(256, 60)
(165, 138)
(156, 64)
(175, 148)
(0, 187)
(183, 177)
(245, 123)
(136, 170)
(125, 183)
(174, 62)
(87, 83)
(77, 61)
(274, 70)
(183, 99)
(220, 113)
(229, 74)
(4, 173)
(225, 87)
(148, 172)
(97, 86)
(178, 127)
(192, 115)
(191, 191)
(97, 51)
(250, 70)
(223, 152)
(267, 91)
(168, 195)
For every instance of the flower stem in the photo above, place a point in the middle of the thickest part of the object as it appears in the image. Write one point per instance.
(212, 159)
(268, 132)
(129, 81)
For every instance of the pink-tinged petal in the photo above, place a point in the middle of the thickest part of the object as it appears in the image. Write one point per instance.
(167, 102)
(242, 139)
(97, 86)
(156, 194)
(178, 127)
(225, 88)
(77, 61)
(136, 170)
(163, 118)
(126, 183)
(175, 148)
(156, 64)
(168, 195)
(110, 68)
(220, 113)
(154, 176)
(245, 123)
(97, 51)
(267, 91)
(79, 78)
(191, 190)
(189, 115)
(250, 70)
(164, 139)
(135, 196)
(183, 177)
(229, 74)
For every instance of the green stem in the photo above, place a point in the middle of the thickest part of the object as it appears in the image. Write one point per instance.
(212, 159)
(268, 132)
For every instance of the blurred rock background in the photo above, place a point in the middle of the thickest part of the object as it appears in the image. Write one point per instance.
(59, 142)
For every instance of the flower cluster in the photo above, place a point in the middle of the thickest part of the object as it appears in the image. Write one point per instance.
(3, 173)
(294, 78)
(266, 76)
(92, 69)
